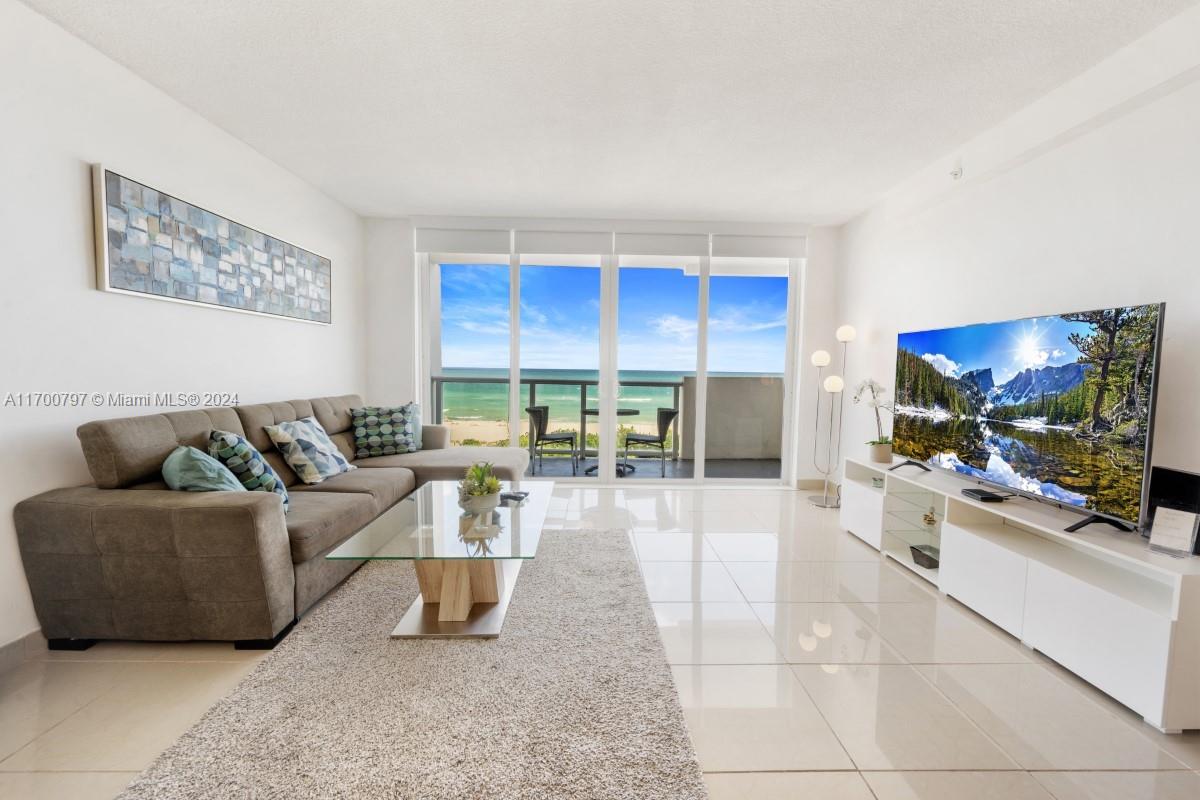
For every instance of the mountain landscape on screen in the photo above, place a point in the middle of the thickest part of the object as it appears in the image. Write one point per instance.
(1055, 406)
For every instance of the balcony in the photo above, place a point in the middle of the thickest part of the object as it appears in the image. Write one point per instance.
(742, 432)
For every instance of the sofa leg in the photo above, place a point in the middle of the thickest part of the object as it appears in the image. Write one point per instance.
(264, 644)
(69, 644)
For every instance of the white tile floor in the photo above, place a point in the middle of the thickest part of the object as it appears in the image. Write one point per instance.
(809, 667)
(806, 666)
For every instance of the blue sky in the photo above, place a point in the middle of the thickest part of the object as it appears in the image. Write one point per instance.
(560, 319)
(1006, 347)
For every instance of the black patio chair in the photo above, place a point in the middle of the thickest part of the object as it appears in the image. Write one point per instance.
(539, 419)
(666, 416)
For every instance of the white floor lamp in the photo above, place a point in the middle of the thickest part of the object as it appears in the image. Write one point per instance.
(833, 386)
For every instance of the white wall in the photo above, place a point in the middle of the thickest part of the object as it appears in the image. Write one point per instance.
(818, 322)
(1086, 199)
(63, 105)
(392, 312)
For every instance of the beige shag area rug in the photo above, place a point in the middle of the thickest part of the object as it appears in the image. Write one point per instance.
(574, 700)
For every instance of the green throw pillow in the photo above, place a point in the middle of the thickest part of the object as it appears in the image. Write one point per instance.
(308, 450)
(245, 462)
(386, 430)
(190, 470)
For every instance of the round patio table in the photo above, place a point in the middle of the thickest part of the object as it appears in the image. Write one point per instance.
(622, 469)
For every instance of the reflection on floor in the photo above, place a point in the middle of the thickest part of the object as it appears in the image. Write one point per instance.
(806, 666)
(749, 469)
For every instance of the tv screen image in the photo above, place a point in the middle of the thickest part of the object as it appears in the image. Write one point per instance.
(1058, 407)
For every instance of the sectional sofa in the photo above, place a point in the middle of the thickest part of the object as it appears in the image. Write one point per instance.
(127, 558)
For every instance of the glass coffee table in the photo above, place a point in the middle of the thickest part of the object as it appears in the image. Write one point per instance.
(466, 563)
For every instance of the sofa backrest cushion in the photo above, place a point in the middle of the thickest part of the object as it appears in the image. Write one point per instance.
(122, 452)
(131, 450)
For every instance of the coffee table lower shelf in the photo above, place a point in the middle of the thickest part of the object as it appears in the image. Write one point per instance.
(460, 599)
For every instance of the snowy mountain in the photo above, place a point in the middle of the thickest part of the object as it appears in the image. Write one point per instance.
(980, 378)
(1030, 384)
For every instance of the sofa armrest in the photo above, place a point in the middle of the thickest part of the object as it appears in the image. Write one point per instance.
(435, 437)
(157, 564)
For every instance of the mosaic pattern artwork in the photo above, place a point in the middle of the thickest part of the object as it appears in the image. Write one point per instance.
(159, 245)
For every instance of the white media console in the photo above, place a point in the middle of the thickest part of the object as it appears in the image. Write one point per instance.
(1099, 602)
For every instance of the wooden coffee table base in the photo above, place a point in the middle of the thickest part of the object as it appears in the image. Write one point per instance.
(465, 598)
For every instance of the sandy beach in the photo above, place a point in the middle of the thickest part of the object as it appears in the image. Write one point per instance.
(490, 431)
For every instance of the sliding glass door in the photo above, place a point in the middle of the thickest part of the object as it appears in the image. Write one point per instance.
(747, 356)
(617, 368)
(656, 366)
(560, 364)
(469, 353)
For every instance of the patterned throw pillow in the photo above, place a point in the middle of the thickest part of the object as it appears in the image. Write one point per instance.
(308, 450)
(386, 430)
(244, 461)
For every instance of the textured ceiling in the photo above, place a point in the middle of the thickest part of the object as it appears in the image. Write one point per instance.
(756, 110)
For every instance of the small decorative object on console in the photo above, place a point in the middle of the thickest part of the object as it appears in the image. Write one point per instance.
(925, 555)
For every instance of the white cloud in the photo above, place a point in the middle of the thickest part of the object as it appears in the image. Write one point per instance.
(674, 327)
(943, 364)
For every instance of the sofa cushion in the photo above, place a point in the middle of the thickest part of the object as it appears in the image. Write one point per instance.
(449, 464)
(308, 450)
(320, 520)
(386, 430)
(385, 486)
(245, 462)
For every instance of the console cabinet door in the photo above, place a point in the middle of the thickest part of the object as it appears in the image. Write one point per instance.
(983, 576)
(1109, 641)
(862, 512)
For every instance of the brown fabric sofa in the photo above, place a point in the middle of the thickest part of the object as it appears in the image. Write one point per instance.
(128, 558)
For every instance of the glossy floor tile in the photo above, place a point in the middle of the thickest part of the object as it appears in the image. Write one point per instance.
(786, 786)
(755, 718)
(1043, 722)
(817, 582)
(889, 717)
(37, 695)
(714, 633)
(955, 786)
(150, 705)
(654, 546)
(694, 581)
(944, 633)
(1121, 785)
(824, 633)
(63, 785)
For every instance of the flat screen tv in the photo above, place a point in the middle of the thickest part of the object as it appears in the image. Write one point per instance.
(1059, 408)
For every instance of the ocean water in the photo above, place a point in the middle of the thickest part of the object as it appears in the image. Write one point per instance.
(489, 401)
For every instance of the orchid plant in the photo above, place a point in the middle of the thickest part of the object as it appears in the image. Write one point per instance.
(872, 391)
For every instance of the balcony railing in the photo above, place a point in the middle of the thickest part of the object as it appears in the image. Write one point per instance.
(676, 387)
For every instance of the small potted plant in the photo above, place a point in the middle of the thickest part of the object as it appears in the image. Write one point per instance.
(871, 391)
(479, 490)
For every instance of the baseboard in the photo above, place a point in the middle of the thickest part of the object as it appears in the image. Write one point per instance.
(21, 649)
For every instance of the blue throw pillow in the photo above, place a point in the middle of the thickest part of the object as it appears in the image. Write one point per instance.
(245, 462)
(190, 470)
(308, 450)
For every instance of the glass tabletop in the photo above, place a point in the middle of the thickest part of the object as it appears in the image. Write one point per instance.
(430, 524)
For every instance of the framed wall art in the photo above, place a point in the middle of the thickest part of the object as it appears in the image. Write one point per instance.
(153, 244)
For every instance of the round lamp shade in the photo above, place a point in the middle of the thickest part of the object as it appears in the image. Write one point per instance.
(821, 358)
(846, 333)
(834, 384)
